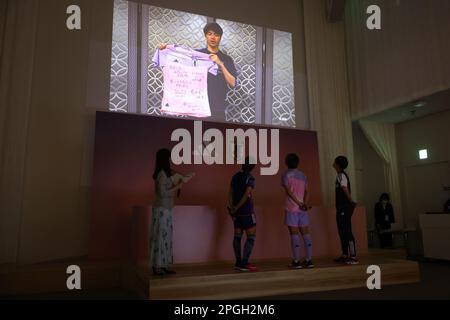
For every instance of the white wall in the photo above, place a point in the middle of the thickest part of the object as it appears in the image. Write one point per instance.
(432, 133)
(47, 145)
(408, 58)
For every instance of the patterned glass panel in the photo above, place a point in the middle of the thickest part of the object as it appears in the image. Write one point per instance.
(239, 42)
(118, 95)
(173, 27)
(283, 108)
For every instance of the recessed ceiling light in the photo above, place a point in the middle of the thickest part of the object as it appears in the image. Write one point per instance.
(423, 154)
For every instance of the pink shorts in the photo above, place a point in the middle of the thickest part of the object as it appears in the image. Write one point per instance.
(296, 219)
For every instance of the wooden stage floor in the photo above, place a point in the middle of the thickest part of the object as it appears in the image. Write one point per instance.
(209, 281)
(221, 281)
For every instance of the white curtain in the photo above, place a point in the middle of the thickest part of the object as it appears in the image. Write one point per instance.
(407, 59)
(328, 93)
(18, 21)
(381, 137)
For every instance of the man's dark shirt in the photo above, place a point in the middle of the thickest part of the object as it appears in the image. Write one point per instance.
(217, 86)
(447, 206)
(239, 184)
(342, 202)
(384, 216)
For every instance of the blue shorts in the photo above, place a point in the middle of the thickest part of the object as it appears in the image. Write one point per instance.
(244, 222)
(296, 219)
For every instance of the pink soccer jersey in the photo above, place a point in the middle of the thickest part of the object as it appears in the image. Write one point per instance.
(297, 182)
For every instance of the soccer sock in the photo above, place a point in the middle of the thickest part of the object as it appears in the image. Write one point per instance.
(352, 248)
(248, 247)
(308, 246)
(295, 246)
(237, 247)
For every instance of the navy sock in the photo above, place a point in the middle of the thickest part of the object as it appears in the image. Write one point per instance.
(237, 248)
(248, 247)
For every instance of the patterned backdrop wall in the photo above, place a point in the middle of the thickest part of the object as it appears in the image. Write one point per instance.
(118, 95)
(239, 41)
(283, 105)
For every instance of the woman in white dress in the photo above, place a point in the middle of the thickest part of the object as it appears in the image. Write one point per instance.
(168, 184)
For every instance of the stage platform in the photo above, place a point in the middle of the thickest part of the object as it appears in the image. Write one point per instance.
(208, 281)
(221, 281)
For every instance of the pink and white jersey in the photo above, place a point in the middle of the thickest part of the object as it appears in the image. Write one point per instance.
(297, 182)
(185, 80)
(184, 55)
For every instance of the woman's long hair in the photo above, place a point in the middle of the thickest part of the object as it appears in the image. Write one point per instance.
(162, 163)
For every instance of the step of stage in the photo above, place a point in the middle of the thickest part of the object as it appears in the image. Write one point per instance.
(220, 281)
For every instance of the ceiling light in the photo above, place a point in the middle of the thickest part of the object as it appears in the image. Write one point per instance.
(423, 154)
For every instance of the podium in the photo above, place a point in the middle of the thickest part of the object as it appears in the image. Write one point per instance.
(435, 235)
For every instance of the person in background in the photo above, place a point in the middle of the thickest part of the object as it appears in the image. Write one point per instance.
(447, 206)
(168, 184)
(240, 208)
(344, 211)
(295, 185)
(384, 216)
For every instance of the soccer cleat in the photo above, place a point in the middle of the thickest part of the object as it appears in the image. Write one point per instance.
(341, 259)
(295, 265)
(168, 271)
(248, 267)
(352, 261)
(158, 272)
(307, 264)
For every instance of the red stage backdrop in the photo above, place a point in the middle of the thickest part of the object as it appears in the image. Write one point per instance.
(125, 148)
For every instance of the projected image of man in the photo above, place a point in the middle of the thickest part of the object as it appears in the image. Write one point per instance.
(218, 85)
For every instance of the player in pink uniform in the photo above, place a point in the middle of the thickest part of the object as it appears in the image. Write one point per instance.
(295, 184)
